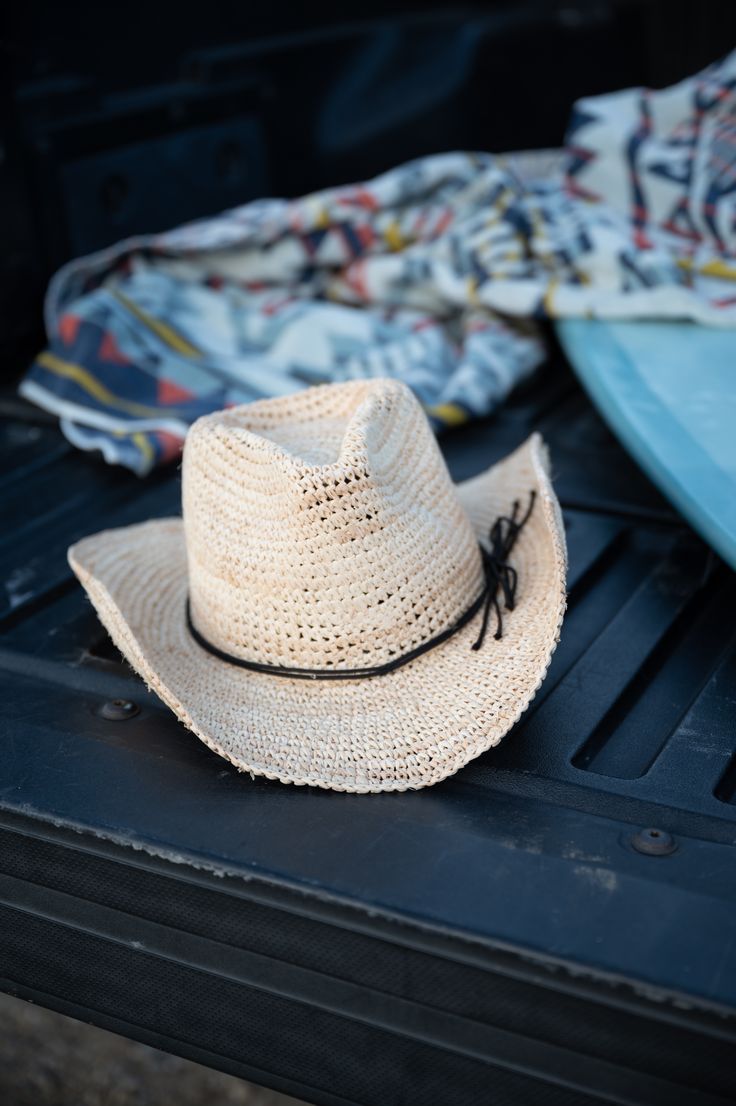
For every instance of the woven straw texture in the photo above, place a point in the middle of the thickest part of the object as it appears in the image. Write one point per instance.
(322, 530)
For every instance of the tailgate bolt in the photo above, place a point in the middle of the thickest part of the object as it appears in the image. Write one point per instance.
(653, 842)
(117, 710)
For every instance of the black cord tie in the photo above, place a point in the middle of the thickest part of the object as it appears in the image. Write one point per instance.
(499, 574)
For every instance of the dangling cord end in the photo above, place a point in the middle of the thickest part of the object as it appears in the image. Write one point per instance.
(498, 572)
(491, 601)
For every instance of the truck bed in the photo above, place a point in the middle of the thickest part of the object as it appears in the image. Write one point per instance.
(554, 924)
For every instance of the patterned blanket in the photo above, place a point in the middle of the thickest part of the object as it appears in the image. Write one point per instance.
(434, 272)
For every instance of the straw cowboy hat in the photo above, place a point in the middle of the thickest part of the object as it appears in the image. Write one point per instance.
(332, 610)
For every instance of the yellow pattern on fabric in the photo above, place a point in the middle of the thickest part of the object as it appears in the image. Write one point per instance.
(549, 295)
(448, 413)
(393, 236)
(144, 446)
(90, 384)
(715, 268)
(165, 332)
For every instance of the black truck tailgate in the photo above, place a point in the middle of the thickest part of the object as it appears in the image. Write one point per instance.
(555, 924)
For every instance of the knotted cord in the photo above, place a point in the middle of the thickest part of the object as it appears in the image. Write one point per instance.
(499, 574)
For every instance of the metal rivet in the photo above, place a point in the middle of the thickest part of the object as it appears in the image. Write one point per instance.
(117, 710)
(653, 842)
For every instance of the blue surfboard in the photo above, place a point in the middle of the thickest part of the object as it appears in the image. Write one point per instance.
(668, 391)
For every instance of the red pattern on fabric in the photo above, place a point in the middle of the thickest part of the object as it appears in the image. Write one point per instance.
(110, 351)
(354, 277)
(277, 305)
(359, 197)
(170, 393)
(365, 234)
(68, 328)
(572, 188)
(443, 222)
(170, 445)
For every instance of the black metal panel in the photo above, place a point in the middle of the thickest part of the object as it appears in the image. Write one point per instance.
(370, 1012)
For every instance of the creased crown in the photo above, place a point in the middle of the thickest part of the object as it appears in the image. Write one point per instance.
(323, 529)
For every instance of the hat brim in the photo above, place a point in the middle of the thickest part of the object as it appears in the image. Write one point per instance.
(404, 730)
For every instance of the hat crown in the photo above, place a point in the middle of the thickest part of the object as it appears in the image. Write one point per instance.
(323, 530)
